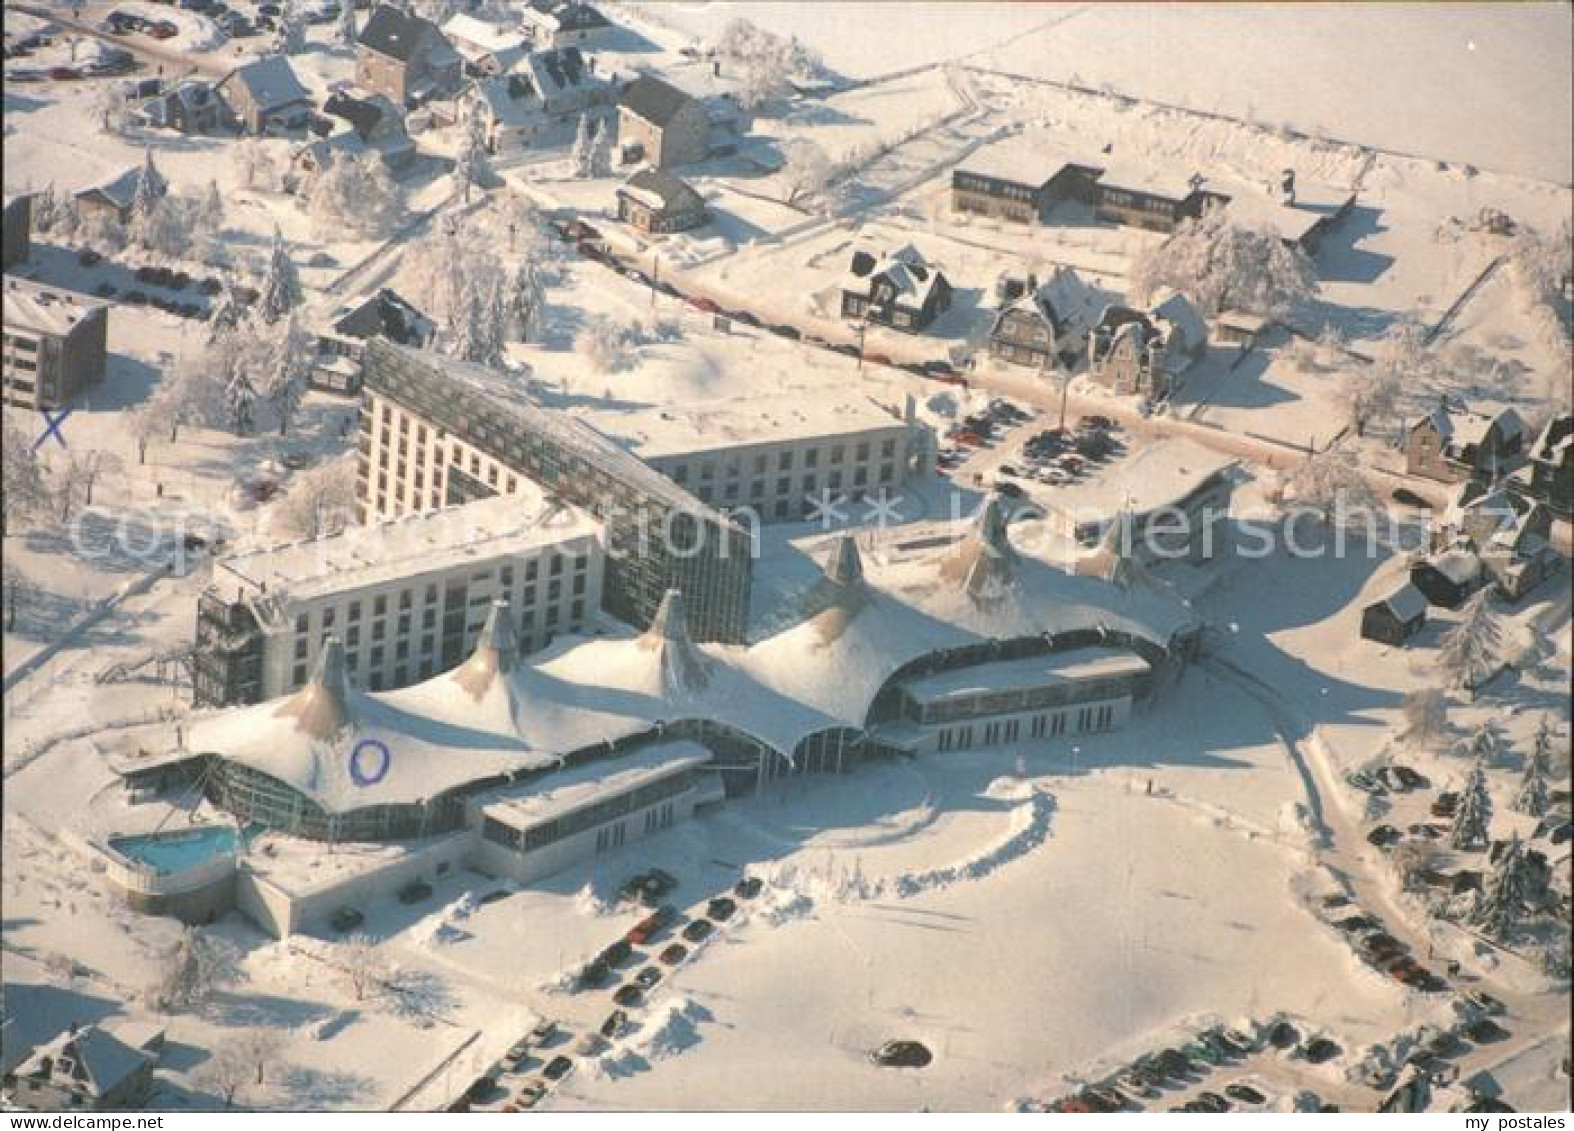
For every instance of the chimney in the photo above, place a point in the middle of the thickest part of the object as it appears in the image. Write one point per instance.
(1287, 187)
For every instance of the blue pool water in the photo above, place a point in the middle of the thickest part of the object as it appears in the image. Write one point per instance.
(178, 850)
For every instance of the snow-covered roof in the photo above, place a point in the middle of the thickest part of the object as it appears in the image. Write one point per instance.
(1405, 602)
(1183, 319)
(1018, 162)
(554, 795)
(1462, 429)
(100, 1061)
(707, 426)
(346, 749)
(1459, 566)
(654, 99)
(46, 310)
(120, 190)
(1034, 671)
(905, 268)
(1259, 207)
(565, 15)
(660, 191)
(557, 73)
(1158, 474)
(270, 81)
(474, 38)
(387, 313)
(411, 546)
(396, 33)
(1151, 179)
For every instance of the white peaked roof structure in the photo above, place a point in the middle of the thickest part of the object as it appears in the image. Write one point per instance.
(496, 652)
(984, 564)
(841, 594)
(682, 669)
(1112, 560)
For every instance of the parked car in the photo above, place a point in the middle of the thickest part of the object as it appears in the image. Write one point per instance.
(1363, 781)
(615, 1025)
(517, 1054)
(346, 919)
(1212, 1102)
(748, 887)
(557, 1068)
(674, 954)
(1320, 1050)
(591, 1044)
(641, 932)
(594, 973)
(1445, 805)
(648, 977)
(659, 883)
(1483, 1002)
(530, 1095)
(698, 929)
(628, 995)
(902, 1054)
(543, 1031)
(720, 909)
(1485, 1031)
(1244, 1093)
(616, 954)
(1384, 835)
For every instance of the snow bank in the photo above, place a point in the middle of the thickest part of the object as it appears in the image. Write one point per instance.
(587, 902)
(667, 1031)
(438, 928)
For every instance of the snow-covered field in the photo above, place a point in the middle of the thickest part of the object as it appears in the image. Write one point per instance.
(1039, 914)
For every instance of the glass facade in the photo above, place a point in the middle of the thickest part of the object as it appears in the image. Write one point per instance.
(658, 537)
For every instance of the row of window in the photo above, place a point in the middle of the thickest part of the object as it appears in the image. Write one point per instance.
(786, 460)
(1018, 699)
(1086, 721)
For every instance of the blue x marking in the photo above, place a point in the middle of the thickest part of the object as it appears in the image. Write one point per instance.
(53, 422)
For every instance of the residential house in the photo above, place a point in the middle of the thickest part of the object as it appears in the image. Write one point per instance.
(661, 125)
(657, 203)
(486, 48)
(385, 314)
(191, 106)
(1017, 182)
(1551, 478)
(1046, 326)
(1396, 617)
(564, 23)
(1508, 532)
(357, 125)
(1446, 579)
(265, 97)
(542, 90)
(899, 289)
(88, 1069)
(1452, 445)
(55, 344)
(1145, 352)
(405, 58)
(112, 198)
(17, 239)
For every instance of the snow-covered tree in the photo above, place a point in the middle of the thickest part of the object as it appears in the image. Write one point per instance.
(281, 285)
(584, 142)
(1473, 817)
(806, 171)
(46, 209)
(1369, 393)
(1467, 653)
(600, 159)
(1220, 265)
(289, 370)
(348, 35)
(1426, 716)
(763, 63)
(525, 300)
(353, 192)
(1503, 899)
(319, 502)
(213, 207)
(476, 331)
(471, 165)
(1532, 797)
(255, 166)
(601, 344)
(187, 976)
(24, 488)
(227, 1072)
(240, 403)
(110, 109)
(151, 185)
(1483, 747)
(85, 468)
(1329, 484)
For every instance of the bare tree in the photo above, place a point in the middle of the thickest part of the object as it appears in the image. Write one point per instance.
(24, 487)
(17, 590)
(84, 470)
(196, 966)
(227, 1071)
(364, 967)
(806, 171)
(1329, 484)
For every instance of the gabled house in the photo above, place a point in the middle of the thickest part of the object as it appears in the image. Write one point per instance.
(112, 197)
(1017, 182)
(661, 125)
(541, 91)
(657, 203)
(486, 48)
(351, 125)
(341, 342)
(1395, 617)
(189, 107)
(899, 289)
(1508, 532)
(87, 1069)
(1145, 352)
(1047, 325)
(1446, 579)
(1143, 197)
(1551, 478)
(564, 23)
(1452, 446)
(405, 58)
(264, 97)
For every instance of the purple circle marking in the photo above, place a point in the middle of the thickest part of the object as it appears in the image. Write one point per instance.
(361, 774)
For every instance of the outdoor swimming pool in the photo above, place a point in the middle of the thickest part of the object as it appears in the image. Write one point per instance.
(178, 850)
